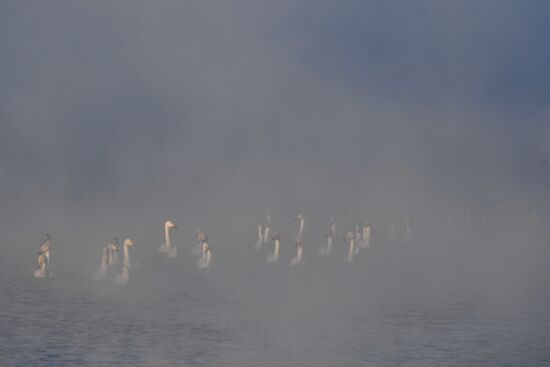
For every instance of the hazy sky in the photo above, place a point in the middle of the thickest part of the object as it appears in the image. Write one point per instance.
(115, 115)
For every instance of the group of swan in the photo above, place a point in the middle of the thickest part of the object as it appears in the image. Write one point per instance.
(120, 273)
(361, 239)
(202, 248)
(109, 262)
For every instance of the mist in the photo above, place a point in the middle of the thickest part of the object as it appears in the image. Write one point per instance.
(115, 116)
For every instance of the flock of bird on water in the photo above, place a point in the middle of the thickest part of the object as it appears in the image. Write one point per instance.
(110, 264)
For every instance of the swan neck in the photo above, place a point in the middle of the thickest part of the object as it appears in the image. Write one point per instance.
(126, 256)
(167, 235)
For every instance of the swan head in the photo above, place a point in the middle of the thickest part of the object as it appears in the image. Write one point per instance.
(299, 217)
(201, 236)
(48, 238)
(276, 237)
(349, 236)
(170, 224)
(128, 242)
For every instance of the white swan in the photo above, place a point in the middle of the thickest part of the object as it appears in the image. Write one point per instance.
(329, 235)
(260, 240)
(166, 247)
(123, 276)
(350, 237)
(206, 258)
(267, 227)
(45, 247)
(299, 259)
(42, 269)
(102, 271)
(201, 237)
(112, 248)
(300, 219)
(357, 239)
(274, 257)
(407, 235)
(365, 239)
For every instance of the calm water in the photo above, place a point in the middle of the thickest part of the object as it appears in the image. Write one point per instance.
(389, 308)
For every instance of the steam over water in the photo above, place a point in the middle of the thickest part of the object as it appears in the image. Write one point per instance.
(388, 307)
(427, 119)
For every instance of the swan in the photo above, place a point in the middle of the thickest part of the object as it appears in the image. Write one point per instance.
(201, 237)
(206, 258)
(42, 269)
(260, 240)
(407, 235)
(122, 277)
(350, 237)
(275, 255)
(329, 235)
(267, 227)
(356, 240)
(102, 272)
(112, 248)
(299, 259)
(300, 219)
(365, 239)
(45, 248)
(166, 247)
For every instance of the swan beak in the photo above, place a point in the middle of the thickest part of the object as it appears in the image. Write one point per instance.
(175, 227)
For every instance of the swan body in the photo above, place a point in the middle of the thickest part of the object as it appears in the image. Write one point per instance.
(324, 251)
(206, 258)
(166, 247)
(350, 237)
(102, 272)
(260, 240)
(329, 235)
(274, 257)
(365, 238)
(299, 259)
(123, 277)
(42, 269)
(356, 241)
(267, 227)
